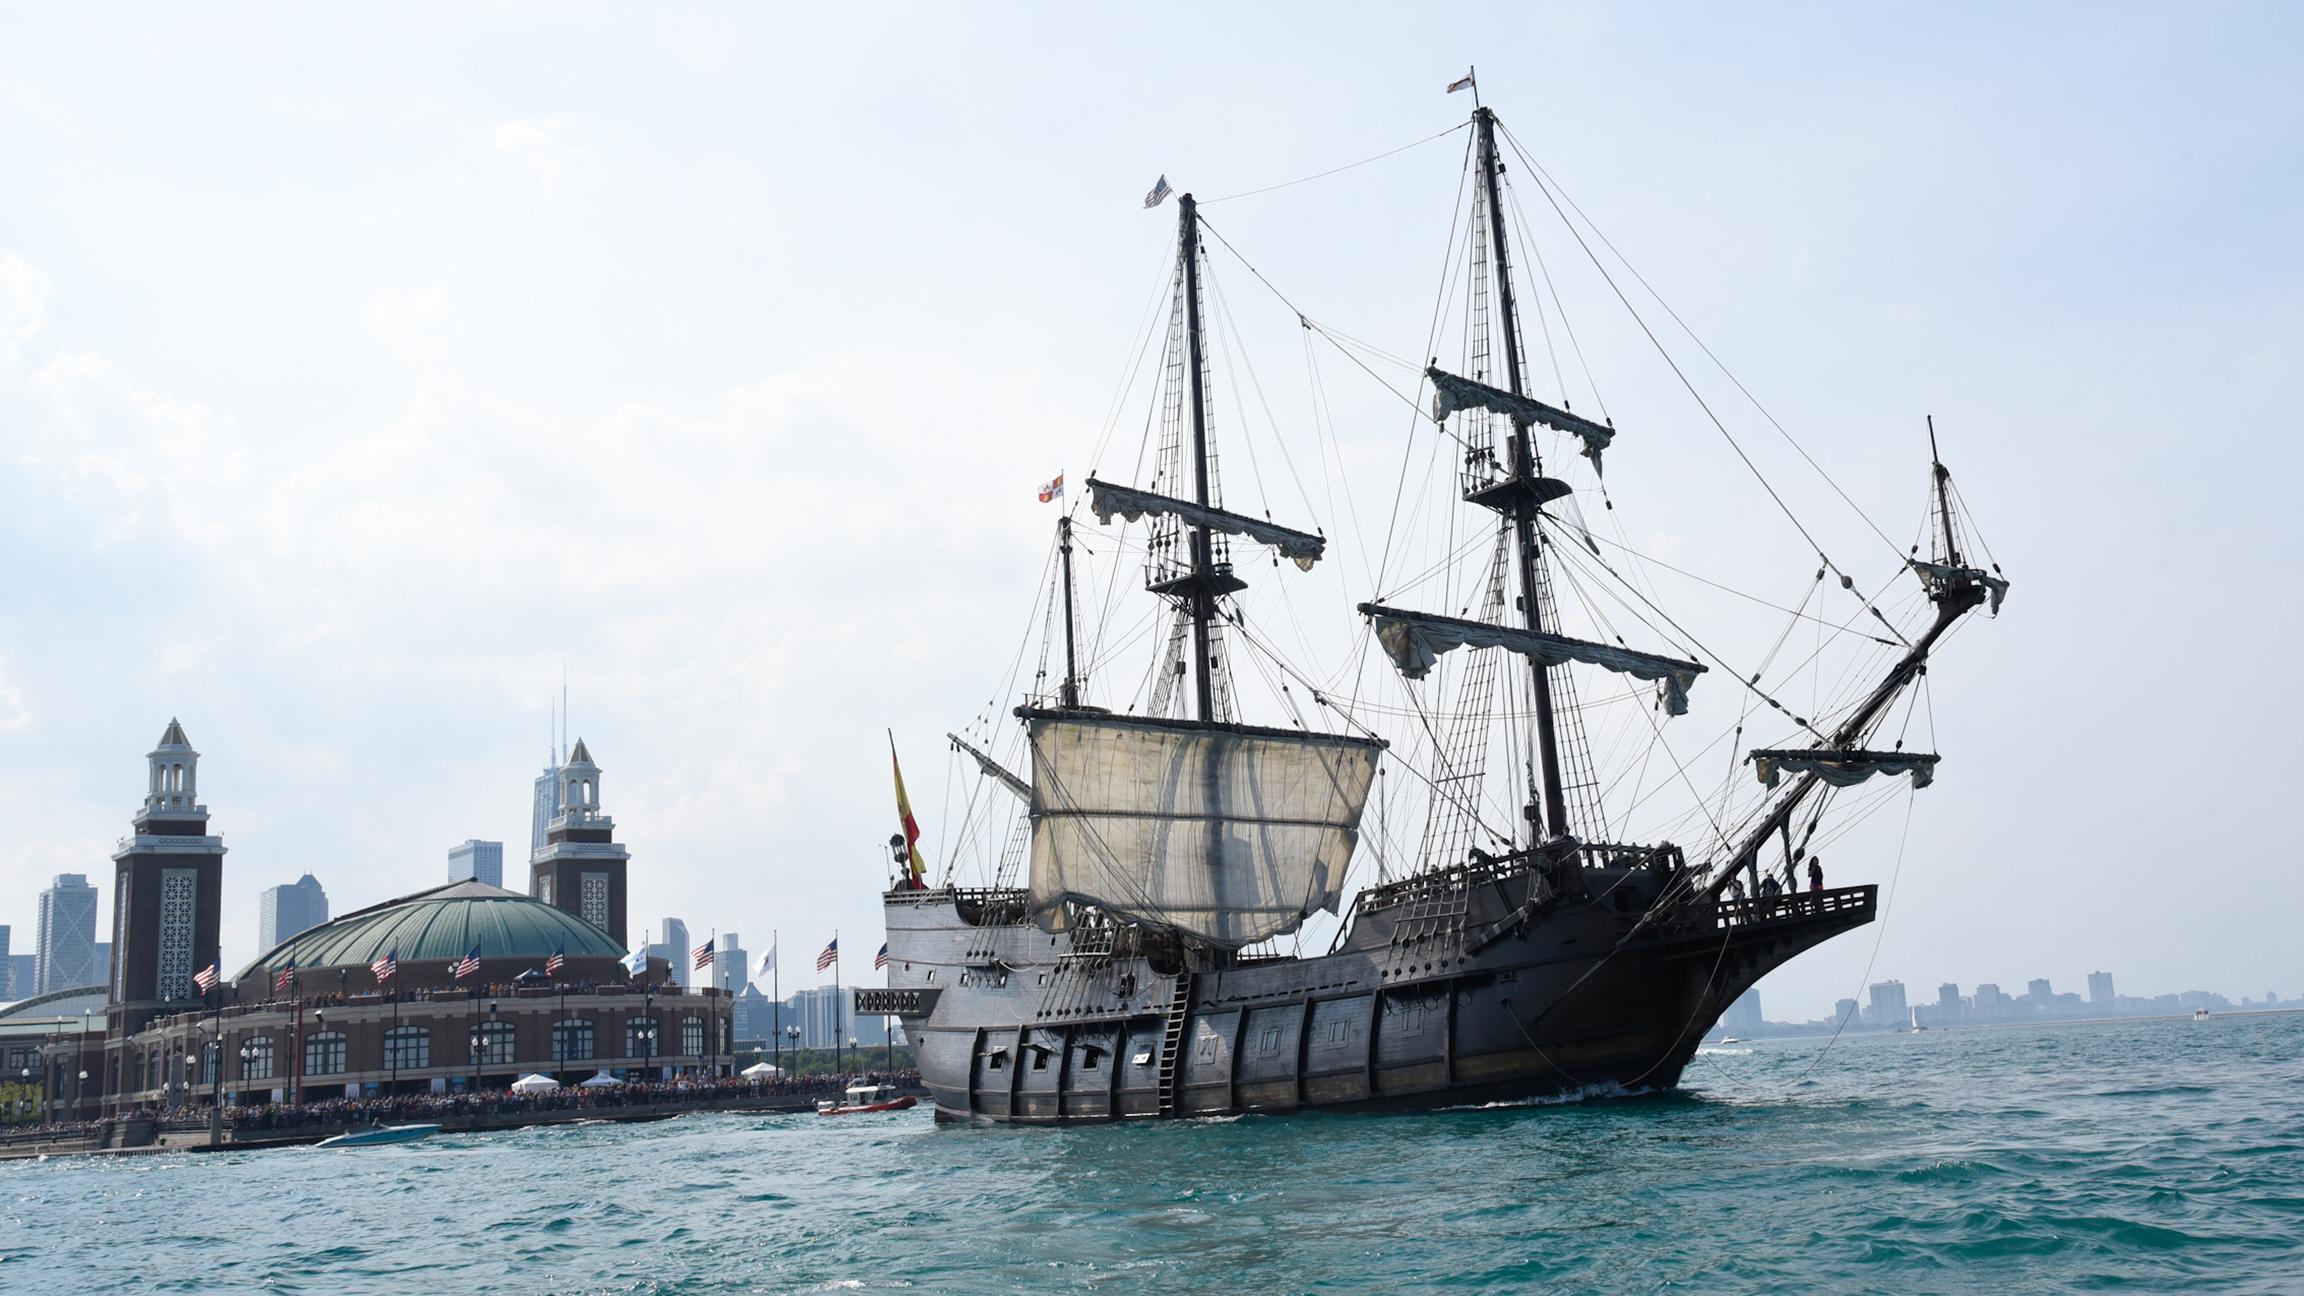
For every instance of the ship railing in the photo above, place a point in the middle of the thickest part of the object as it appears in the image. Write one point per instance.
(1437, 883)
(1793, 906)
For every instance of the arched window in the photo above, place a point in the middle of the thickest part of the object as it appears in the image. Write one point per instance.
(407, 1048)
(572, 1040)
(642, 1038)
(324, 1053)
(257, 1059)
(692, 1036)
(496, 1045)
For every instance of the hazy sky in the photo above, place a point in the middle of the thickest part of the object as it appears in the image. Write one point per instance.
(356, 375)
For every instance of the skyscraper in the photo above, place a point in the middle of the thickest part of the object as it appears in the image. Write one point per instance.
(477, 861)
(683, 966)
(65, 955)
(22, 973)
(1948, 1003)
(543, 808)
(1743, 1016)
(283, 911)
(7, 990)
(2100, 989)
(731, 963)
(1888, 1006)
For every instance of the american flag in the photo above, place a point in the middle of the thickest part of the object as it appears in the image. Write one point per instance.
(830, 956)
(383, 968)
(205, 978)
(469, 965)
(286, 978)
(558, 960)
(703, 953)
(880, 960)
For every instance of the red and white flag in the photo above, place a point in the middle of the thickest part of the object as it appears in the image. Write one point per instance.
(468, 966)
(383, 968)
(1463, 82)
(1052, 490)
(703, 953)
(205, 978)
(830, 956)
(286, 978)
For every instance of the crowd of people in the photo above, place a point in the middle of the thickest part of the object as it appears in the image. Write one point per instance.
(403, 1108)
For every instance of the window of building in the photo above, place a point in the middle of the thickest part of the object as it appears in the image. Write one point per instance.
(572, 1040)
(692, 1036)
(208, 1064)
(407, 1048)
(324, 1053)
(643, 1037)
(496, 1041)
(256, 1059)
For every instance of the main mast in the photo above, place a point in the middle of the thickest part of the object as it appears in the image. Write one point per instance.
(1523, 503)
(1203, 592)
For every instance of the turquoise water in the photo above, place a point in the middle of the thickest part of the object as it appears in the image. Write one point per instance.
(2150, 1156)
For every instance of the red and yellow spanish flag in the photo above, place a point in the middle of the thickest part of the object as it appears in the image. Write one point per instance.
(916, 868)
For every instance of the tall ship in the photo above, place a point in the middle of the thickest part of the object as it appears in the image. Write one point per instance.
(1400, 875)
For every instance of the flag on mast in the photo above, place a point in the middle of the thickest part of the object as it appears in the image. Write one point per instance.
(768, 961)
(703, 953)
(286, 978)
(1463, 82)
(915, 868)
(1159, 193)
(1052, 490)
(558, 960)
(830, 956)
(205, 978)
(469, 965)
(880, 960)
(383, 968)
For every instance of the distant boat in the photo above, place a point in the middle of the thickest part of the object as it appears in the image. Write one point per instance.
(1728, 1039)
(861, 1099)
(2199, 1014)
(381, 1135)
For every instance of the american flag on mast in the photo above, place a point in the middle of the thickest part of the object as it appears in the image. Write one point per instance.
(830, 956)
(558, 960)
(285, 978)
(205, 978)
(880, 960)
(469, 965)
(703, 953)
(383, 968)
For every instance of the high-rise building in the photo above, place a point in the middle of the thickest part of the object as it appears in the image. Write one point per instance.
(168, 902)
(283, 911)
(22, 973)
(101, 959)
(65, 948)
(1948, 1003)
(1991, 1005)
(1888, 1006)
(1743, 1016)
(731, 964)
(543, 808)
(822, 1016)
(477, 861)
(580, 868)
(682, 954)
(1843, 1012)
(7, 990)
(2100, 989)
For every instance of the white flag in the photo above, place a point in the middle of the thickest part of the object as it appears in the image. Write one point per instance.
(1461, 83)
(1159, 193)
(768, 961)
(636, 962)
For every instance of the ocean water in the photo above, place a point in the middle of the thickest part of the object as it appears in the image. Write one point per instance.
(2148, 1156)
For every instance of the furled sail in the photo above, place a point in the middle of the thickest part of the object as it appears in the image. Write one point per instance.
(1842, 768)
(1229, 834)
(1940, 575)
(1107, 499)
(995, 769)
(1451, 393)
(1414, 640)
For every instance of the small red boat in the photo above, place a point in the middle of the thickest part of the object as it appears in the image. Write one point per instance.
(861, 1099)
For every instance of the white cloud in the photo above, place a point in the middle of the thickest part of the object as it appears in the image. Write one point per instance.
(14, 716)
(24, 293)
(541, 144)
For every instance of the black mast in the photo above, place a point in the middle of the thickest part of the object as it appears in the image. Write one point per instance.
(1943, 477)
(1069, 696)
(1524, 503)
(1203, 594)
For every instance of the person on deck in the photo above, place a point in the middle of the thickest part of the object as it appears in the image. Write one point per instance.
(1816, 873)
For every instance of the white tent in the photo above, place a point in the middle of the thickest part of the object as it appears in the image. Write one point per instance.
(535, 1084)
(600, 1080)
(759, 1071)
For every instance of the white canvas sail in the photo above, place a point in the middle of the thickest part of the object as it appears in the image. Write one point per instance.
(1226, 833)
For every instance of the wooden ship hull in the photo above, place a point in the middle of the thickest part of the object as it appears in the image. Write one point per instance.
(1015, 1025)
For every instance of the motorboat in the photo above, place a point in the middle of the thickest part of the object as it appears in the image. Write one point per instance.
(381, 1135)
(862, 1099)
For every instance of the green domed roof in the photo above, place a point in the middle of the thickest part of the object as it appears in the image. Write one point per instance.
(443, 923)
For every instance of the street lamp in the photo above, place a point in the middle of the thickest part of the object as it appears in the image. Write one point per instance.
(78, 1090)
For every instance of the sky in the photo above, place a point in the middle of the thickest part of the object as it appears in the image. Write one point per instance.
(361, 377)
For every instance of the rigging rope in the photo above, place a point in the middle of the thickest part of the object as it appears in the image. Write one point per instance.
(1289, 184)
